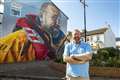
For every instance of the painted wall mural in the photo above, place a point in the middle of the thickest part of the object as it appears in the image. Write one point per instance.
(34, 37)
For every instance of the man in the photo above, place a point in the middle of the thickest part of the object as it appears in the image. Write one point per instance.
(77, 55)
(38, 34)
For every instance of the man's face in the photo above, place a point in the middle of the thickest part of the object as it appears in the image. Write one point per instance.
(77, 36)
(50, 16)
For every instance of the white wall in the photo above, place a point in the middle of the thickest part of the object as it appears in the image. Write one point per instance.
(1, 10)
(93, 39)
(1, 15)
(117, 43)
(1, 6)
(109, 38)
(101, 37)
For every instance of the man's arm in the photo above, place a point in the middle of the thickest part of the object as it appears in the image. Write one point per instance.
(85, 57)
(71, 60)
(88, 57)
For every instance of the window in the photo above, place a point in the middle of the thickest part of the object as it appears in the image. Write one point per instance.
(98, 38)
(1, 6)
(82, 39)
(15, 9)
(1, 10)
(91, 38)
(1, 1)
(15, 12)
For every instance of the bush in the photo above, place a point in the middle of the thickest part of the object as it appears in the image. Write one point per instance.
(107, 57)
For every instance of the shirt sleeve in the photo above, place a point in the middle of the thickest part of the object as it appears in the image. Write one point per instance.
(66, 50)
(88, 48)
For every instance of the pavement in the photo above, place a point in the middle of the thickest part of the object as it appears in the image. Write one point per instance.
(29, 70)
(35, 70)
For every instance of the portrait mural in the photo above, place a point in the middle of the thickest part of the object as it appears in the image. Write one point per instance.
(34, 37)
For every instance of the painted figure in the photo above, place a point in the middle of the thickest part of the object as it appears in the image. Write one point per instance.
(35, 37)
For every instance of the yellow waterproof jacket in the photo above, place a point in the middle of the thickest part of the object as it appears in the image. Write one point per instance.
(11, 47)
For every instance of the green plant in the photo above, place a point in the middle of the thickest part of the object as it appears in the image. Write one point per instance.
(108, 57)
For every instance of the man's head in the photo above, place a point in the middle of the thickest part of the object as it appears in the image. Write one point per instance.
(49, 14)
(76, 35)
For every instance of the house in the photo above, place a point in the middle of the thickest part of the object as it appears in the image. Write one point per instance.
(118, 42)
(14, 9)
(100, 38)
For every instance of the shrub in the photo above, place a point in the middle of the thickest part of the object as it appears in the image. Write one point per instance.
(108, 57)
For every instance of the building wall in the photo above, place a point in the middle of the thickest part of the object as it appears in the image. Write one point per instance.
(95, 39)
(9, 19)
(118, 44)
(105, 39)
(1, 15)
(109, 38)
(26, 7)
(13, 44)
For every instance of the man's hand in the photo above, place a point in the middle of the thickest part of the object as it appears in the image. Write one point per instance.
(71, 60)
(85, 57)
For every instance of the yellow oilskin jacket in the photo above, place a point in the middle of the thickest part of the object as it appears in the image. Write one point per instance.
(11, 47)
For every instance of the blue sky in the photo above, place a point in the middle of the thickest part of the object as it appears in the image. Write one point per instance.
(99, 13)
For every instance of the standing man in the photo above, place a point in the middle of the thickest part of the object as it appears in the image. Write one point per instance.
(77, 55)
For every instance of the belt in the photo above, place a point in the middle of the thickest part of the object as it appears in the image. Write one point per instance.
(73, 76)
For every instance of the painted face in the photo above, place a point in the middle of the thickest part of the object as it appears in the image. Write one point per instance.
(50, 16)
(76, 36)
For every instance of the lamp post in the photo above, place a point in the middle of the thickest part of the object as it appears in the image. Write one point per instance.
(84, 4)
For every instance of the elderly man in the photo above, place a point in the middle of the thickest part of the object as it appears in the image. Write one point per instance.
(77, 55)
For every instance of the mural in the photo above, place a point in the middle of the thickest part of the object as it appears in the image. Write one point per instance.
(34, 37)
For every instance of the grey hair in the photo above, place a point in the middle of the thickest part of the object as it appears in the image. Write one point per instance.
(45, 5)
(77, 30)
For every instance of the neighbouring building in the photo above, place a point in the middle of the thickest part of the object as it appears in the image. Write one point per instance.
(118, 42)
(100, 38)
(14, 9)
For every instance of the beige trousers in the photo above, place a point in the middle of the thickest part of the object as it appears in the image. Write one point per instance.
(76, 78)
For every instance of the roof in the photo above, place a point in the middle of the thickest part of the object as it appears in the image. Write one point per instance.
(97, 31)
(118, 39)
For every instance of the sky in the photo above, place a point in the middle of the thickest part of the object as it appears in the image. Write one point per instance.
(98, 14)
